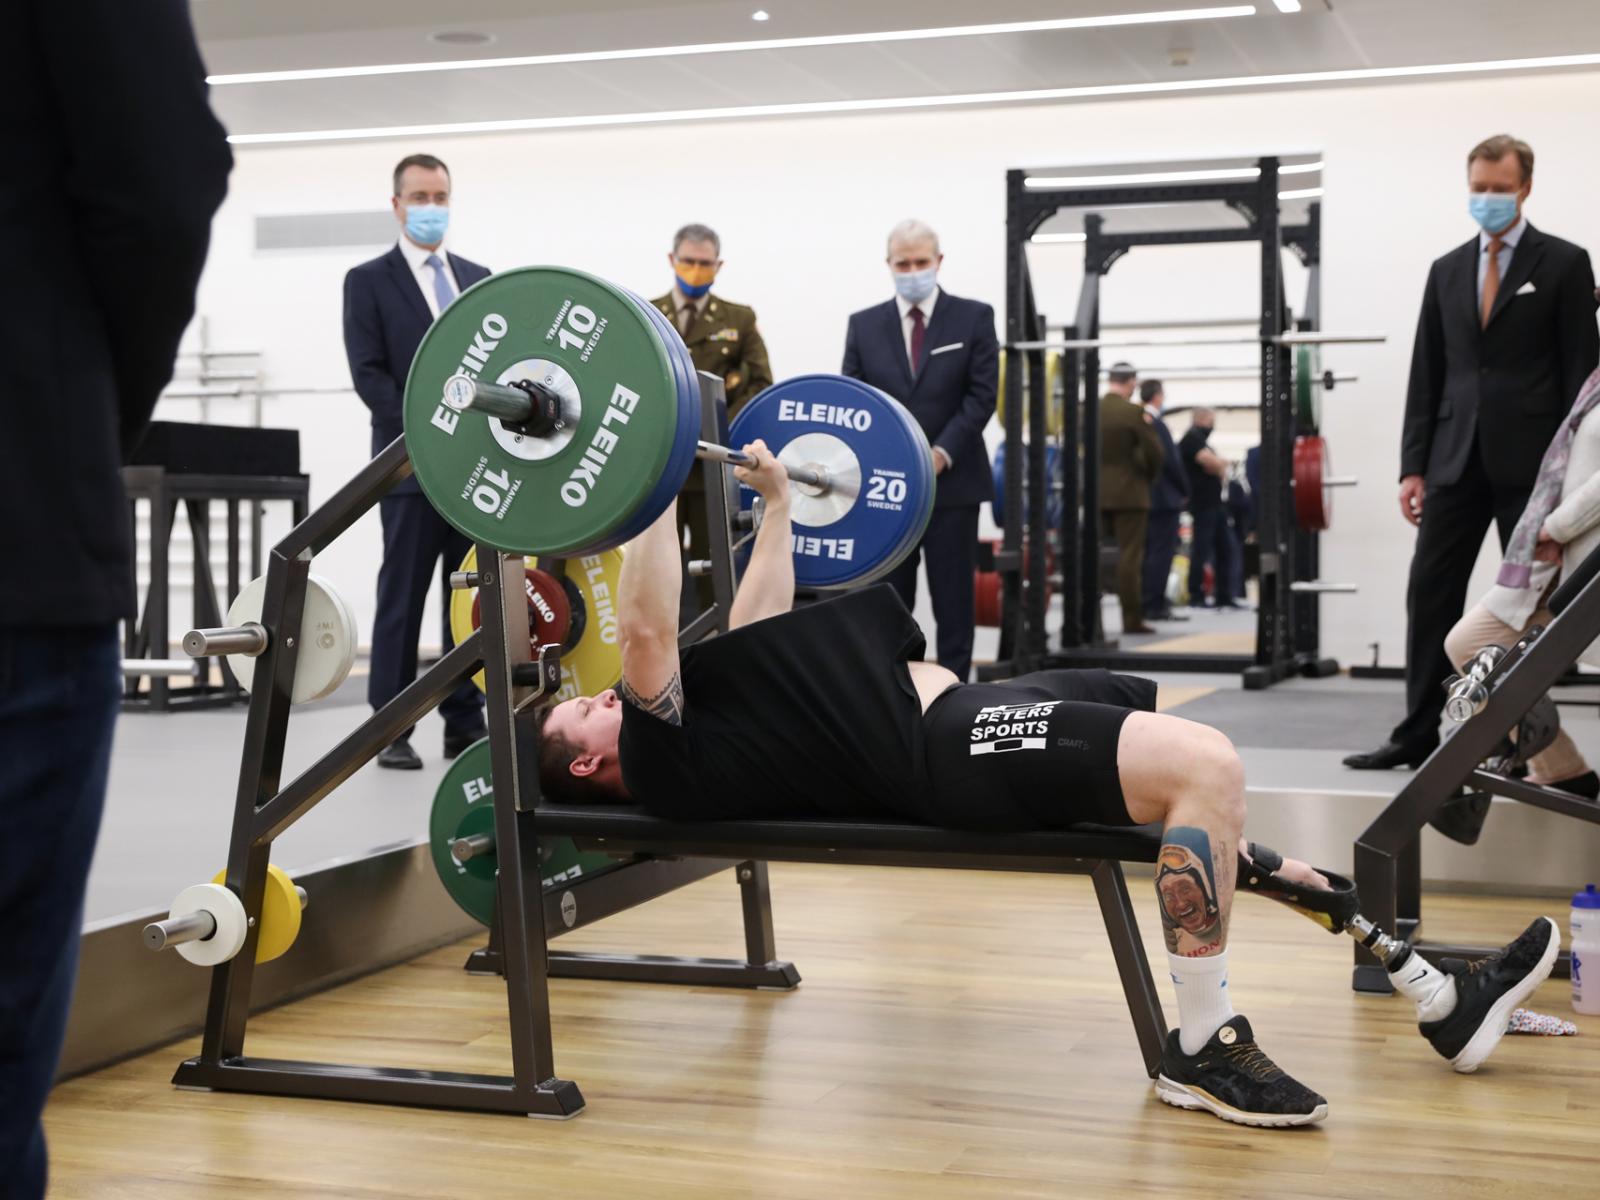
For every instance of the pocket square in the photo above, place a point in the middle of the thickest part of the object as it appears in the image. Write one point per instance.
(942, 349)
(1527, 289)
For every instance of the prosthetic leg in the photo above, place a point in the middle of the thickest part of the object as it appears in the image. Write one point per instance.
(1464, 1009)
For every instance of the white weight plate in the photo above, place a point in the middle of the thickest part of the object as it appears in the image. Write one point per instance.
(325, 646)
(228, 912)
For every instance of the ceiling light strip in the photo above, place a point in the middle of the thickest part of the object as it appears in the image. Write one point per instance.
(827, 107)
(789, 43)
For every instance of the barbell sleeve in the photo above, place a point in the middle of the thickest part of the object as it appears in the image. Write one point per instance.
(249, 639)
(474, 845)
(174, 931)
(517, 406)
(1320, 588)
(158, 666)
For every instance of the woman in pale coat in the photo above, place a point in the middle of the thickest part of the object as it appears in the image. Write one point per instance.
(1556, 532)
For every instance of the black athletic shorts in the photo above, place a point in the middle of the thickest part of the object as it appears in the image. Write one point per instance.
(1035, 752)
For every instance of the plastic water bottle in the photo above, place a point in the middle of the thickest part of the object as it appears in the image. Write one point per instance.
(1586, 951)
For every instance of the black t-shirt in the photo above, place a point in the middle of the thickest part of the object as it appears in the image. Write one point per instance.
(808, 714)
(1205, 489)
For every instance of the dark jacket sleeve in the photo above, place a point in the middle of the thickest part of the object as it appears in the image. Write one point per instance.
(1426, 385)
(983, 378)
(1172, 468)
(364, 347)
(1151, 450)
(1577, 333)
(852, 353)
(148, 166)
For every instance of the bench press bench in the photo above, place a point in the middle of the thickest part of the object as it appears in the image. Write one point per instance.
(1095, 851)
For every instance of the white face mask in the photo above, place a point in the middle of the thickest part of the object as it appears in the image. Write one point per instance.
(915, 286)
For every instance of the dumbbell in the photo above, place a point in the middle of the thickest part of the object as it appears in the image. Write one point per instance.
(207, 922)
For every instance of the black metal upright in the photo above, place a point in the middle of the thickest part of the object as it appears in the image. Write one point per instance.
(1287, 626)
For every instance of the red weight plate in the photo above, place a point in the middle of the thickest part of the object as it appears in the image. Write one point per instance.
(1313, 506)
(549, 608)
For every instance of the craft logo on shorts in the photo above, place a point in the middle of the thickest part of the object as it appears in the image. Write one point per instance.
(1004, 728)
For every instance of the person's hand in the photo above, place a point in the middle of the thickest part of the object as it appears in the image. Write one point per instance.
(768, 477)
(941, 461)
(1547, 549)
(1411, 489)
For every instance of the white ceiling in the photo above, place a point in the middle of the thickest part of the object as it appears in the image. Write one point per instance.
(1329, 35)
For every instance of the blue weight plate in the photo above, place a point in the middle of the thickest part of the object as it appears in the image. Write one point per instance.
(876, 452)
(687, 429)
(1052, 470)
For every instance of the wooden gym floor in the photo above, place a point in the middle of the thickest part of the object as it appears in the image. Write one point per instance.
(956, 1035)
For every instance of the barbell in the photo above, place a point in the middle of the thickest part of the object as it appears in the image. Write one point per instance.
(207, 923)
(553, 414)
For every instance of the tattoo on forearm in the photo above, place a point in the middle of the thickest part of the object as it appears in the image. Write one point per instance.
(1191, 918)
(667, 704)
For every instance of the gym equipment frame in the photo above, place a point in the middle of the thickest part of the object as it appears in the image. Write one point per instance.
(1287, 624)
(1388, 858)
(527, 917)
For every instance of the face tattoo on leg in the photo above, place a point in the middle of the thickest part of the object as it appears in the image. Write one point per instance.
(1190, 916)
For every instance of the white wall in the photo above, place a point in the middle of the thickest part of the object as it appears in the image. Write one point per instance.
(803, 206)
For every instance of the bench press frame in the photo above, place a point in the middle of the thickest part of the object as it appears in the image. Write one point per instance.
(528, 918)
(1388, 855)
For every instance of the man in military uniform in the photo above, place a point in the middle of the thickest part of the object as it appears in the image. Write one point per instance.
(723, 339)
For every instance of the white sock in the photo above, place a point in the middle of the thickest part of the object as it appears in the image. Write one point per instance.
(1421, 981)
(1203, 1000)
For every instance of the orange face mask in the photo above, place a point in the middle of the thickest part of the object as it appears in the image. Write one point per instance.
(694, 281)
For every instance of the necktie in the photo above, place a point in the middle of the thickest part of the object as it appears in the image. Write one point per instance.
(918, 330)
(1491, 279)
(442, 291)
(686, 316)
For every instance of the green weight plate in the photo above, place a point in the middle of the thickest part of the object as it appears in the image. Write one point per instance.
(1308, 388)
(581, 489)
(464, 805)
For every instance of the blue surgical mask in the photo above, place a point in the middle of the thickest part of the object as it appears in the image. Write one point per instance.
(1493, 211)
(915, 286)
(426, 223)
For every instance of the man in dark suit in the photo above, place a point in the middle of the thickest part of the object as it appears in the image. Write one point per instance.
(1131, 458)
(937, 354)
(115, 167)
(389, 303)
(1507, 335)
(1169, 493)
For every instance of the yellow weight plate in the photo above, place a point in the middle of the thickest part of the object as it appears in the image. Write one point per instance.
(595, 663)
(1054, 415)
(280, 914)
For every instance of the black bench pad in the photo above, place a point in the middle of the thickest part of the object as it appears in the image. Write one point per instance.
(624, 827)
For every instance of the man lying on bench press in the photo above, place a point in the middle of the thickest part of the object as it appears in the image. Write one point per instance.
(828, 712)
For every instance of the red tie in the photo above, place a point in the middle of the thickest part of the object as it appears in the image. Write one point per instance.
(918, 329)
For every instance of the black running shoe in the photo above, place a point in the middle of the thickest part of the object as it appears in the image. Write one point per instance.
(1487, 991)
(1232, 1078)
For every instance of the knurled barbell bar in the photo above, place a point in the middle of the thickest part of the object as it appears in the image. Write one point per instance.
(529, 407)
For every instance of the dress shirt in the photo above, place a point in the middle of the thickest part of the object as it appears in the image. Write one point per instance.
(1508, 243)
(681, 302)
(417, 260)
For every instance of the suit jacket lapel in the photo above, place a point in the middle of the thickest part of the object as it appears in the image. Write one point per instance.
(406, 281)
(938, 325)
(1464, 289)
(895, 331)
(1524, 258)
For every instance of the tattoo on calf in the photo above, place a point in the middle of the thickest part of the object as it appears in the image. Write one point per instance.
(667, 704)
(1190, 915)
